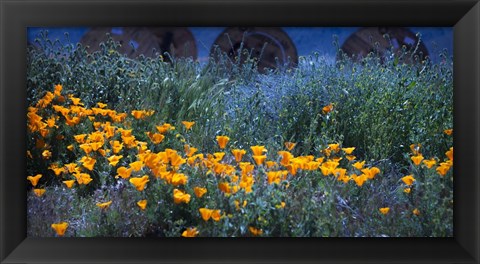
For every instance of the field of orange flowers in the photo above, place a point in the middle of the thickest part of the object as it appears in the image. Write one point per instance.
(93, 171)
(122, 147)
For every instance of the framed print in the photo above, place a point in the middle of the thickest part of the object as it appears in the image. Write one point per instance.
(269, 131)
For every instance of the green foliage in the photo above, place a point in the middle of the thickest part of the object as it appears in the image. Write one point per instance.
(388, 106)
(380, 107)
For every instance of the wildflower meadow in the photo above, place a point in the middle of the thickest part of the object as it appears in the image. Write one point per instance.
(121, 147)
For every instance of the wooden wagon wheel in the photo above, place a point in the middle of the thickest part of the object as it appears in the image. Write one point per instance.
(267, 45)
(372, 39)
(178, 42)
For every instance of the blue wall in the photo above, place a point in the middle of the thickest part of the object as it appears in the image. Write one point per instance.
(306, 39)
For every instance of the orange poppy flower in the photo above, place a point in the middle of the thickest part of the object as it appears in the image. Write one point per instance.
(34, 179)
(415, 148)
(327, 109)
(290, 145)
(57, 170)
(449, 154)
(69, 183)
(443, 169)
(123, 172)
(105, 205)
(205, 213)
(188, 125)
(58, 89)
(429, 163)
(190, 232)
(199, 191)
(222, 141)
(216, 215)
(139, 182)
(286, 157)
(238, 154)
(348, 151)
(417, 159)
(114, 159)
(259, 159)
(358, 165)
(258, 150)
(384, 210)
(270, 164)
(359, 180)
(39, 192)
(273, 177)
(292, 168)
(156, 138)
(88, 162)
(176, 160)
(180, 196)
(83, 178)
(136, 165)
(334, 147)
(255, 231)
(224, 187)
(46, 154)
(165, 128)
(189, 151)
(371, 172)
(142, 204)
(408, 180)
(179, 179)
(60, 228)
(116, 146)
(219, 156)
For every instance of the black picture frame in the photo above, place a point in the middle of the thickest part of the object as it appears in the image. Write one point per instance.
(463, 15)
